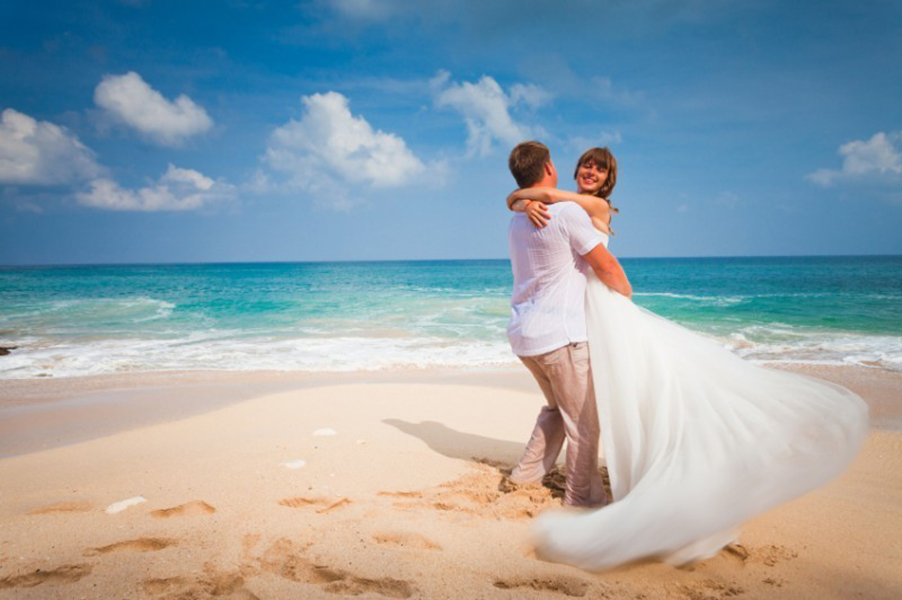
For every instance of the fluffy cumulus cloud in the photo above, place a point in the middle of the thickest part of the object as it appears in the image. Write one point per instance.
(128, 99)
(329, 149)
(486, 109)
(176, 190)
(36, 152)
(877, 159)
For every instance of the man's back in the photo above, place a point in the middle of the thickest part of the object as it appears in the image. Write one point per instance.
(548, 301)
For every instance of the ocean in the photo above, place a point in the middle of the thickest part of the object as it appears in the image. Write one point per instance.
(352, 316)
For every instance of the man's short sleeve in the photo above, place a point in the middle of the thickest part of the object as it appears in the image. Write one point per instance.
(583, 236)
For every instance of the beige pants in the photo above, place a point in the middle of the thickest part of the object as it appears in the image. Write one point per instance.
(565, 376)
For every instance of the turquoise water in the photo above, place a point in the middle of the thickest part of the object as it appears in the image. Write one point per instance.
(67, 321)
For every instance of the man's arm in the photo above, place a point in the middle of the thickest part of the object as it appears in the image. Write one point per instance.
(608, 269)
(586, 241)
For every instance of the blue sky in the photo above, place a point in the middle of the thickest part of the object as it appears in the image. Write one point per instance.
(151, 131)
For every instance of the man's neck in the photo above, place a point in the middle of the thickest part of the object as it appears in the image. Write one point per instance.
(545, 182)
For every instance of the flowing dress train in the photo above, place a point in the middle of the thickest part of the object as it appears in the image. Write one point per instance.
(696, 440)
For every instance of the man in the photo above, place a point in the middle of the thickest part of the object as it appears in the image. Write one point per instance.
(547, 329)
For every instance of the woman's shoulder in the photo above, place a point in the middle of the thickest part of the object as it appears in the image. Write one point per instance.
(595, 206)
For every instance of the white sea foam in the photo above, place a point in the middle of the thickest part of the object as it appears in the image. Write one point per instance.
(783, 343)
(391, 349)
(208, 352)
(344, 354)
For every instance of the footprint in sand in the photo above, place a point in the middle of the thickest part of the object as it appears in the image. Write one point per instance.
(384, 586)
(326, 504)
(477, 494)
(772, 555)
(737, 551)
(189, 509)
(402, 494)
(117, 507)
(295, 464)
(138, 545)
(61, 507)
(63, 574)
(325, 432)
(284, 559)
(212, 583)
(569, 586)
(165, 585)
(406, 540)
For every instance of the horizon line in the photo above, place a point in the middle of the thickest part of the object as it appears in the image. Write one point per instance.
(400, 260)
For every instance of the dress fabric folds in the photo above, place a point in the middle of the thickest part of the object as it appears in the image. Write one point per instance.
(696, 441)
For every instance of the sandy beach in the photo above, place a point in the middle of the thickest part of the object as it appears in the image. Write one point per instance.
(195, 485)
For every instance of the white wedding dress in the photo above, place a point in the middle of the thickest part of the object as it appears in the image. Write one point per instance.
(696, 440)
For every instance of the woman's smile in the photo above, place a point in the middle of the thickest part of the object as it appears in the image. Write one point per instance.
(590, 178)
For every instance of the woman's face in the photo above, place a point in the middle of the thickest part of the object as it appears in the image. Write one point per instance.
(590, 178)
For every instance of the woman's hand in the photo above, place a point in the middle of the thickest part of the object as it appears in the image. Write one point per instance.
(537, 213)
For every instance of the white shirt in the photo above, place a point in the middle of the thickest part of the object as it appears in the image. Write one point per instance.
(548, 302)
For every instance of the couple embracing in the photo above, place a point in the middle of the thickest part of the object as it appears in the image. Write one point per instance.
(696, 440)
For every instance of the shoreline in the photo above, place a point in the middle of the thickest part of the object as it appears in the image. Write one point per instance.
(45, 413)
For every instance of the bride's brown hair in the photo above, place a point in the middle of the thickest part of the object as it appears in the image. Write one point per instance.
(603, 161)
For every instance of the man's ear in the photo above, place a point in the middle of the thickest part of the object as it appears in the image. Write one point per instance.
(549, 169)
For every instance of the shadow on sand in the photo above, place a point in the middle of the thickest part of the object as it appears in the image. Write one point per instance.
(458, 444)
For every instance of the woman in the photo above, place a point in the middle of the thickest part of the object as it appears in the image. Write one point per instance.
(696, 440)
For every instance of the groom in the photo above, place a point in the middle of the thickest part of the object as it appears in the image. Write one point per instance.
(547, 329)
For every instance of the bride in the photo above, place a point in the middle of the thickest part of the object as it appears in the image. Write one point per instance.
(696, 440)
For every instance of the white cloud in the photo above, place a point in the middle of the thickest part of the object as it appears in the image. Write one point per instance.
(176, 190)
(530, 94)
(877, 159)
(128, 99)
(41, 153)
(486, 108)
(330, 149)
